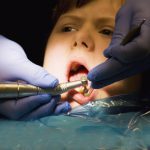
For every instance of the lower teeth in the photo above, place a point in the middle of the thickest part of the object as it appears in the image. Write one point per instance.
(80, 90)
(84, 91)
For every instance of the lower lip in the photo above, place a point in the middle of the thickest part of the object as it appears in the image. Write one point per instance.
(80, 98)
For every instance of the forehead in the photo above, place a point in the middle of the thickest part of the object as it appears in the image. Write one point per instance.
(96, 8)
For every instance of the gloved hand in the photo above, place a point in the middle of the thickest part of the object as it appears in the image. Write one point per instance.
(132, 58)
(14, 65)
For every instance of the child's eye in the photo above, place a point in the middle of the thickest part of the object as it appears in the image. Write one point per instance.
(107, 32)
(68, 29)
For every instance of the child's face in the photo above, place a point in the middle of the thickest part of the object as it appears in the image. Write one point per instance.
(76, 45)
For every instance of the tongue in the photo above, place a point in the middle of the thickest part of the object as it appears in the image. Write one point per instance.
(77, 76)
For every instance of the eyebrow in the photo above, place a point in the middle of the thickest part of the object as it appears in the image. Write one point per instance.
(105, 20)
(97, 21)
(76, 18)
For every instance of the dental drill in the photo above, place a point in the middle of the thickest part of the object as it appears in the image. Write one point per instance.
(19, 90)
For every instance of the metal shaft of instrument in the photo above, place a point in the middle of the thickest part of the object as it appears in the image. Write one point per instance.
(18, 90)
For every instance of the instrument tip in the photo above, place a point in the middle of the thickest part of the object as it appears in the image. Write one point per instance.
(84, 81)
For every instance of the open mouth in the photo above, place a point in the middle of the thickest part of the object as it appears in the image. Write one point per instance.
(75, 72)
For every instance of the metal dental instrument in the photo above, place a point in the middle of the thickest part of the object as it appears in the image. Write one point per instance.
(18, 90)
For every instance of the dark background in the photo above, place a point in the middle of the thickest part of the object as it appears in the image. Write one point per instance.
(28, 23)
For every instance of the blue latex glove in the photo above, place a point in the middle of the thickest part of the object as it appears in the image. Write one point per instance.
(134, 57)
(14, 65)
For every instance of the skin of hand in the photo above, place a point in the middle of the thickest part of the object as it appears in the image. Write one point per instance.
(76, 45)
(14, 65)
(130, 59)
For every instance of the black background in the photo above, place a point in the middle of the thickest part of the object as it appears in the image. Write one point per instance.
(28, 23)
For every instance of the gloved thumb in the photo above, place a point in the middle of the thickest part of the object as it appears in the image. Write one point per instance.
(36, 75)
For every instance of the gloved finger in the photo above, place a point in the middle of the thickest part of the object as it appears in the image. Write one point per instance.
(114, 71)
(42, 111)
(8, 64)
(136, 50)
(36, 75)
(19, 67)
(62, 108)
(31, 73)
(122, 27)
(10, 48)
(105, 70)
(14, 109)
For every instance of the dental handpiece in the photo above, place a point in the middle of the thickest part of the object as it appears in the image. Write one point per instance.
(18, 90)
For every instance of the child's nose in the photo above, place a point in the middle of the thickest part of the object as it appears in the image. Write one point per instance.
(84, 41)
